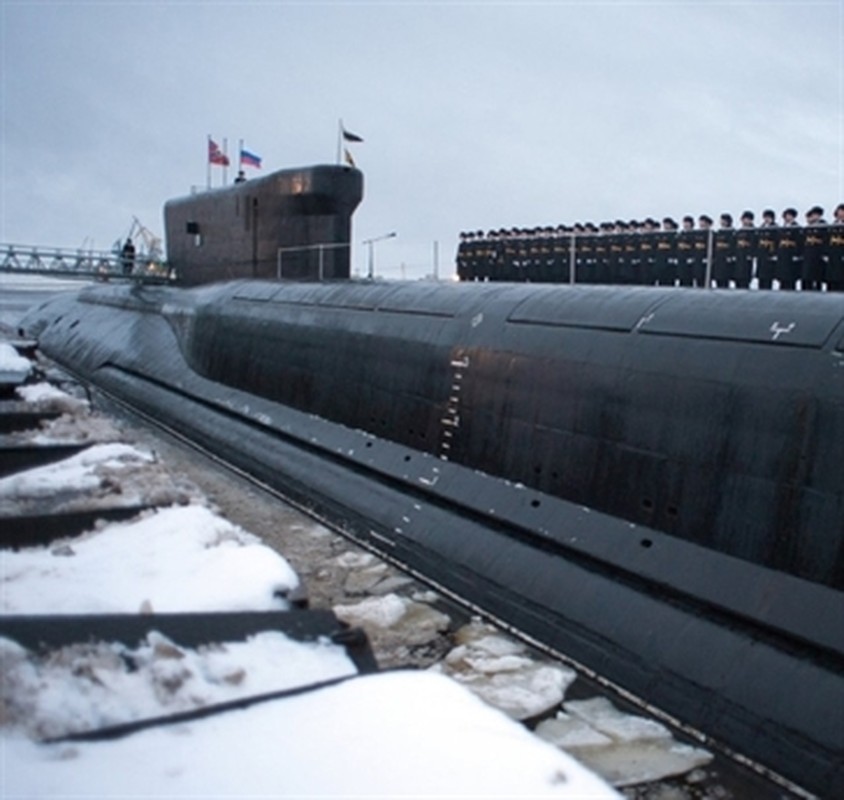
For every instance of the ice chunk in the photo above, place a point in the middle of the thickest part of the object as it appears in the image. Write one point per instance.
(625, 749)
(503, 673)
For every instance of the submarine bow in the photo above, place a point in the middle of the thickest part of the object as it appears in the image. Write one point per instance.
(645, 481)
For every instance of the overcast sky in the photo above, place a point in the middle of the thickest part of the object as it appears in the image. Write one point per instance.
(475, 115)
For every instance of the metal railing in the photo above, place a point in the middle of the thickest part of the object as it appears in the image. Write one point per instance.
(70, 263)
(320, 248)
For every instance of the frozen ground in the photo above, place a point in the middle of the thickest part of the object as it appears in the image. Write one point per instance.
(407, 624)
(393, 735)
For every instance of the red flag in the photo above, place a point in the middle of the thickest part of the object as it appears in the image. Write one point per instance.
(215, 155)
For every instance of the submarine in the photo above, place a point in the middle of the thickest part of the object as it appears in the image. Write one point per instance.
(645, 481)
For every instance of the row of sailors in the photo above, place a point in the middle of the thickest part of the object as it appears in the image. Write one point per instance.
(810, 257)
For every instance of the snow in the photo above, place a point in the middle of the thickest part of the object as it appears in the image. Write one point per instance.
(93, 685)
(14, 368)
(396, 734)
(77, 423)
(79, 473)
(171, 560)
(46, 396)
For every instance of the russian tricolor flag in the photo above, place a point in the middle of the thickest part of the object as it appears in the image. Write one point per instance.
(248, 159)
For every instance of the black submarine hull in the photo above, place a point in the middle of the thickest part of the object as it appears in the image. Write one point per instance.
(647, 481)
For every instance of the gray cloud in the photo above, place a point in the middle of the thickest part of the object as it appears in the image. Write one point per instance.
(475, 115)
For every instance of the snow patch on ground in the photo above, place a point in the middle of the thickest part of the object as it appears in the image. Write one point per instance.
(84, 687)
(104, 475)
(74, 428)
(80, 473)
(46, 397)
(395, 735)
(171, 560)
(12, 364)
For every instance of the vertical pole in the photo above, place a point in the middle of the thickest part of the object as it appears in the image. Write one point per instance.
(572, 261)
(371, 270)
(339, 138)
(710, 235)
(278, 265)
(436, 260)
(208, 162)
(239, 156)
(225, 164)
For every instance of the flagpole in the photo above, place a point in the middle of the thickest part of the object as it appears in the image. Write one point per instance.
(339, 138)
(226, 160)
(208, 162)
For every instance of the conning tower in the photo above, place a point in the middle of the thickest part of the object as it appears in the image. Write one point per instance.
(292, 224)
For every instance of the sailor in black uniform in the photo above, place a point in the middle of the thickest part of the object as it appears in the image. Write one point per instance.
(522, 262)
(617, 266)
(602, 253)
(835, 252)
(685, 252)
(647, 252)
(666, 253)
(702, 267)
(815, 237)
(546, 250)
(587, 253)
(723, 252)
(789, 250)
(746, 245)
(562, 257)
(766, 258)
(461, 259)
(534, 256)
(632, 258)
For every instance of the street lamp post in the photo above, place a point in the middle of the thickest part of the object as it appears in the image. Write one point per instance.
(370, 243)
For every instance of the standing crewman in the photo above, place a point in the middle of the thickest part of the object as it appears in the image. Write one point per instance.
(766, 261)
(835, 252)
(746, 247)
(723, 252)
(127, 256)
(462, 258)
(647, 252)
(509, 255)
(814, 250)
(665, 257)
(701, 245)
(685, 251)
(789, 250)
(560, 247)
(601, 272)
(632, 259)
(617, 264)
